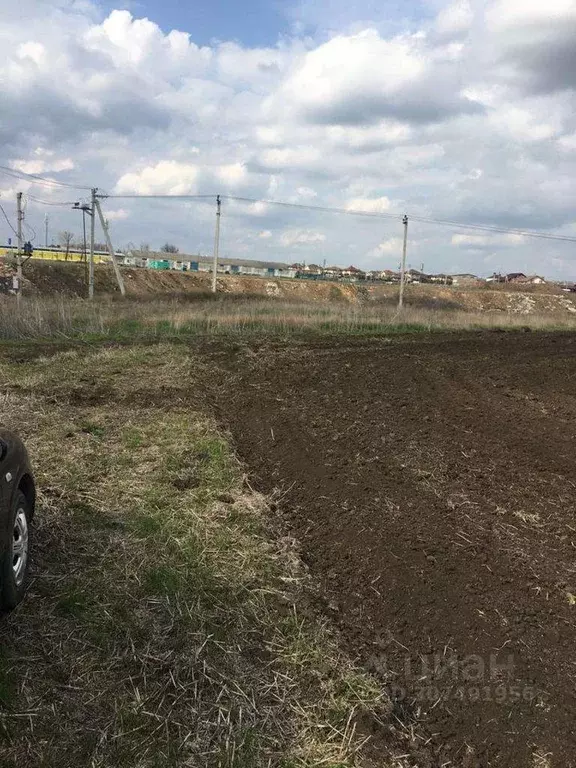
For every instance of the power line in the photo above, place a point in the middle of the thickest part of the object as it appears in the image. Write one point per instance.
(23, 176)
(501, 230)
(8, 221)
(51, 202)
(442, 222)
(351, 212)
(324, 209)
(158, 197)
(31, 228)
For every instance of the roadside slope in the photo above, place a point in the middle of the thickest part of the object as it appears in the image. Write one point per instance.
(49, 278)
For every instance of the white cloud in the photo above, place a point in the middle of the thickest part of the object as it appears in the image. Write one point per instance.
(568, 142)
(373, 66)
(363, 78)
(370, 205)
(513, 13)
(42, 162)
(306, 192)
(455, 18)
(523, 124)
(134, 43)
(166, 177)
(290, 157)
(232, 175)
(257, 67)
(31, 50)
(301, 237)
(117, 215)
(265, 234)
(393, 246)
(488, 241)
(371, 137)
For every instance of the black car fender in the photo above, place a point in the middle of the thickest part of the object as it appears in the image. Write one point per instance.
(15, 475)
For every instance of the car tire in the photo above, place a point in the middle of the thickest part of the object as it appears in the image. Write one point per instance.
(16, 560)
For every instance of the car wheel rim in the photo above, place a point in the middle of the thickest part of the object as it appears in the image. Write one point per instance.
(20, 547)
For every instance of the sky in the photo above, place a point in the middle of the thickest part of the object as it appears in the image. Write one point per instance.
(461, 110)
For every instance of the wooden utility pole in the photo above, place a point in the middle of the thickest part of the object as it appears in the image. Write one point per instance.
(91, 263)
(19, 219)
(216, 243)
(403, 266)
(117, 272)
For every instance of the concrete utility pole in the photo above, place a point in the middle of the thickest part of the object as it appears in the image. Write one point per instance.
(92, 226)
(46, 220)
(216, 243)
(117, 272)
(403, 266)
(20, 219)
(86, 209)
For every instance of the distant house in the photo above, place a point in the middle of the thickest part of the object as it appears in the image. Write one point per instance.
(444, 279)
(465, 278)
(390, 276)
(353, 272)
(516, 277)
(134, 259)
(415, 275)
(198, 263)
(527, 280)
(240, 267)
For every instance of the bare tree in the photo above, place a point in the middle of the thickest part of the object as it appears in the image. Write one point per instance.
(66, 240)
(169, 248)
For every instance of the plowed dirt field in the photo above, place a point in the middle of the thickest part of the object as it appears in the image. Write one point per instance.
(431, 484)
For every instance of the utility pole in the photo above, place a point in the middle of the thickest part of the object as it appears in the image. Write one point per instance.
(92, 226)
(104, 224)
(216, 243)
(86, 209)
(46, 219)
(20, 219)
(403, 266)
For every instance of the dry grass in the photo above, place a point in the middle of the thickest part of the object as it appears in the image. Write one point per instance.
(75, 318)
(165, 625)
(231, 315)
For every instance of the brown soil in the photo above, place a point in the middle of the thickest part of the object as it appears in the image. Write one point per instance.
(431, 484)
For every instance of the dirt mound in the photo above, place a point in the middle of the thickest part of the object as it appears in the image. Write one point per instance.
(431, 485)
(539, 299)
(57, 277)
(48, 278)
(54, 277)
